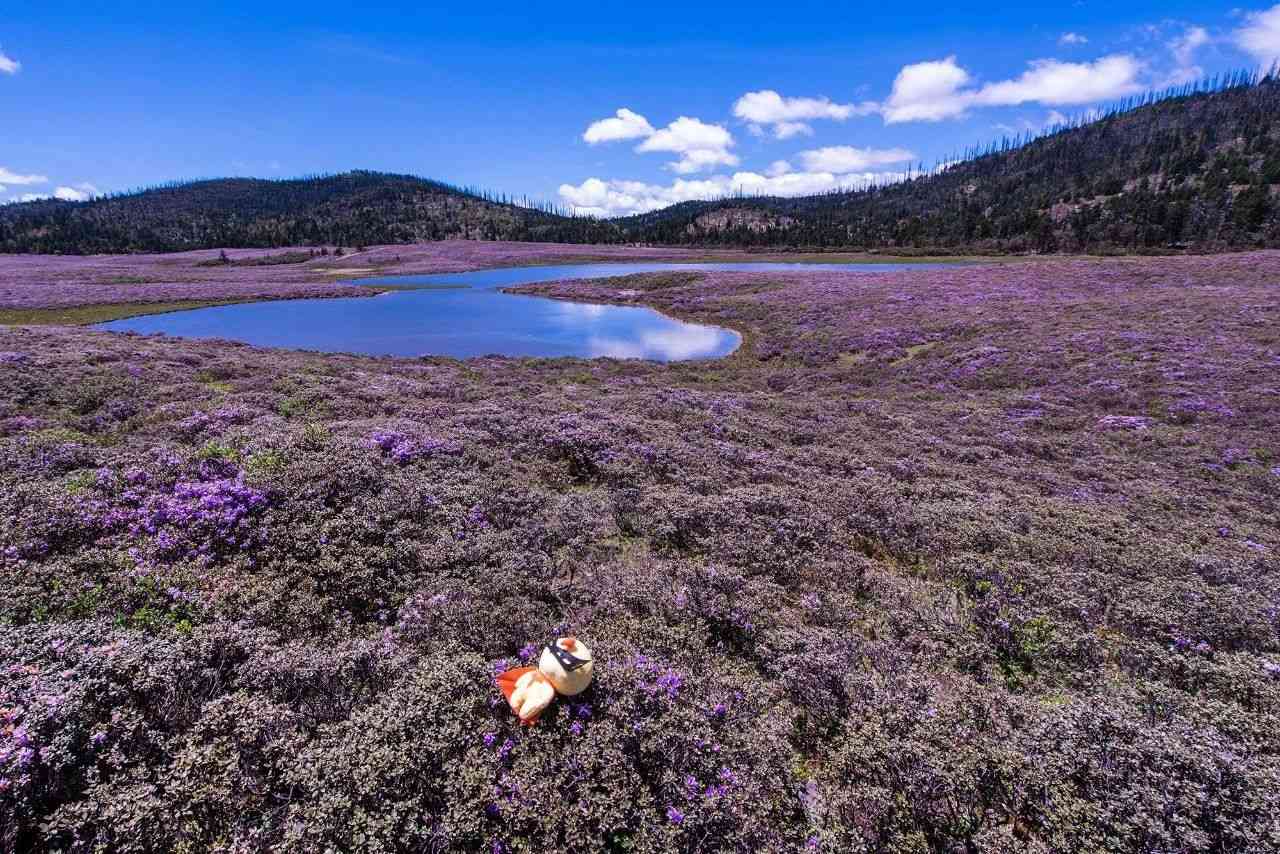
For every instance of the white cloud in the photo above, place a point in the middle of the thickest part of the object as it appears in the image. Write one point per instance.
(598, 197)
(846, 158)
(1052, 120)
(786, 130)
(778, 167)
(33, 197)
(927, 91)
(1072, 38)
(624, 125)
(8, 65)
(78, 193)
(1049, 81)
(808, 183)
(1184, 47)
(612, 198)
(788, 117)
(1260, 35)
(1184, 50)
(14, 178)
(700, 145)
(932, 91)
(1018, 128)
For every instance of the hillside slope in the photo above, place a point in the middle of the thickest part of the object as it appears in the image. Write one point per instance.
(349, 209)
(1197, 171)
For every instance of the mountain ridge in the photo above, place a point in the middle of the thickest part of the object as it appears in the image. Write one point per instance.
(347, 209)
(1195, 170)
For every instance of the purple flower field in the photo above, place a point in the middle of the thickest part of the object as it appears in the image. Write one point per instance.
(973, 559)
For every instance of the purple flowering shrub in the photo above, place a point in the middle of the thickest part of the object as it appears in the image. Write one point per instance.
(970, 559)
(405, 447)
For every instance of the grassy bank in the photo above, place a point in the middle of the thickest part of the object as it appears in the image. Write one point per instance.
(87, 315)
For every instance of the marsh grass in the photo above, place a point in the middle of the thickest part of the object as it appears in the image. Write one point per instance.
(87, 315)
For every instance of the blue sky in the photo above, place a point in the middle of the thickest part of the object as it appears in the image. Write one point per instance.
(789, 97)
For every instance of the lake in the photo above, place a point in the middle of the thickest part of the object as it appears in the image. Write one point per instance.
(466, 314)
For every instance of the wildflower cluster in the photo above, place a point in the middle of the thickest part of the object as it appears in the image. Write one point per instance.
(403, 448)
(199, 519)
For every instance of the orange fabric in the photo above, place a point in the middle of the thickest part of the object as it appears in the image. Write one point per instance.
(507, 681)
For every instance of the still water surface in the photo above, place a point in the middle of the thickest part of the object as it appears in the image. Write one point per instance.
(466, 314)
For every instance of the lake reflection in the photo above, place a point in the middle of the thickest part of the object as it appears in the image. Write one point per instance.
(672, 345)
(470, 318)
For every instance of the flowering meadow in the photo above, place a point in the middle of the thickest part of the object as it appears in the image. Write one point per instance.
(983, 558)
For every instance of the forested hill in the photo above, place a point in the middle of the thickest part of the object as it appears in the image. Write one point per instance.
(1194, 170)
(349, 210)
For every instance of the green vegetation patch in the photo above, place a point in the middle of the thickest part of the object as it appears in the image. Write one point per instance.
(86, 315)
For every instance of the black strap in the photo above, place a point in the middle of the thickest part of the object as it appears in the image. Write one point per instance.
(567, 660)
